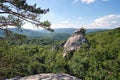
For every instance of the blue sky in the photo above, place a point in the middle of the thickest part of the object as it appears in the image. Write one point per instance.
(80, 13)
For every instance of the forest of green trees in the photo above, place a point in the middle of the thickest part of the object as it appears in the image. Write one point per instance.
(101, 61)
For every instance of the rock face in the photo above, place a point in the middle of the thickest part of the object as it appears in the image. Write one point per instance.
(48, 76)
(75, 41)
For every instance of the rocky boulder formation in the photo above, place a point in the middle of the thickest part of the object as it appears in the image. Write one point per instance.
(57, 46)
(49, 76)
(75, 41)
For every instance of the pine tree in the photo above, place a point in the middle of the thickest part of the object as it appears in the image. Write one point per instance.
(18, 12)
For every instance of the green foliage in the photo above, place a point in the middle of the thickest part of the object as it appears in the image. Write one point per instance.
(98, 62)
(18, 12)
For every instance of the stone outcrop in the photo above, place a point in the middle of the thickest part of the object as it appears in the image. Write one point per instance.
(49, 76)
(57, 46)
(75, 41)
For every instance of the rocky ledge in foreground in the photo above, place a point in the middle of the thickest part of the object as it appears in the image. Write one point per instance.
(49, 76)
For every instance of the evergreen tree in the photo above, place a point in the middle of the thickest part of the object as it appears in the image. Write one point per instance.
(17, 12)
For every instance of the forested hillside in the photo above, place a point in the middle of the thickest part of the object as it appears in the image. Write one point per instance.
(101, 61)
(59, 33)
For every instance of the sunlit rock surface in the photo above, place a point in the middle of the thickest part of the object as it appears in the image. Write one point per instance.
(75, 41)
(49, 76)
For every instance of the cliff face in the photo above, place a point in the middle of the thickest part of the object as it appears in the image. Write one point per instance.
(75, 41)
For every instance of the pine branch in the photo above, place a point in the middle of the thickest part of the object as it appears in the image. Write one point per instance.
(21, 11)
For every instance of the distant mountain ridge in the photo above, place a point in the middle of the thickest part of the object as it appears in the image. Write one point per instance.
(62, 32)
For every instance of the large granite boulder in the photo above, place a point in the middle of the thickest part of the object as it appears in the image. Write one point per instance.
(75, 41)
(48, 76)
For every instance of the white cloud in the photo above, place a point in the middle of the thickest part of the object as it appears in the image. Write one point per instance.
(109, 21)
(75, 1)
(65, 24)
(105, 0)
(68, 25)
(84, 1)
(87, 1)
(77, 23)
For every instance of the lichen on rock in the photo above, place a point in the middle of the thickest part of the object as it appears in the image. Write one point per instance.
(47, 76)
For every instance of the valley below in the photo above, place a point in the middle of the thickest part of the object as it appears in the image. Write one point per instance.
(31, 54)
